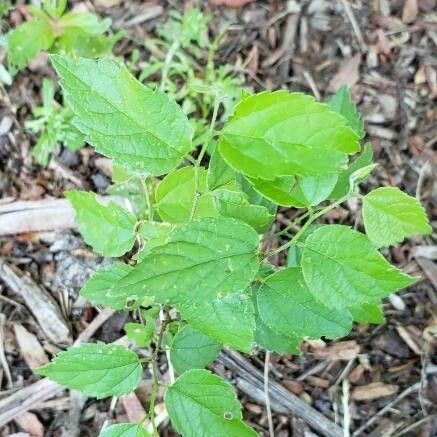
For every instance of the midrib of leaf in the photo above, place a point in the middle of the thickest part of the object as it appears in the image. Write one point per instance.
(142, 128)
(199, 263)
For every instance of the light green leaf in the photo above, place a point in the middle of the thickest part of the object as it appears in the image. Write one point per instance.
(140, 334)
(97, 289)
(287, 307)
(229, 319)
(141, 129)
(269, 339)
(367, 313)
(390, 216)
(110, 229)
(280, 190)
(254, 196)
(281, 133)
(204, 259)
(192, 349)
(124, 430)
(342, 103)
(343, 183)
(343, 268)
(200, 403)
(175, 196)
(219, 172)
(85, 22)
(26, 41)
(153, 234)
(314, 189)
(96, 369)
(235, 204)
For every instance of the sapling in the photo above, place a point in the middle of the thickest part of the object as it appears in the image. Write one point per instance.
(178, 55)
(53, 29)
(52, 123)
(195, 266)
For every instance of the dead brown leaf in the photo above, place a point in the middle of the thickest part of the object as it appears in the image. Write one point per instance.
(30, 423)
(341, 350)
(134, 410)
(375, 390)
(294, 386)
(348, 74)
(32, 351)
(356, 373)
(410, 11)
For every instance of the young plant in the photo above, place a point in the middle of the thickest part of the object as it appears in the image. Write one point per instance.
(201, 269)
(53, 124)
(56, 31)
(178, 55)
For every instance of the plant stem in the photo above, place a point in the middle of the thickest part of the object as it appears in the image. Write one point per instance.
(145, 189)
(201, 155)
(311, 219)
(155, 378)
(266, 394)
(168, 59)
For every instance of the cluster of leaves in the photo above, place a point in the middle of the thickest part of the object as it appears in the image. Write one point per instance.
(53, 125)
(203, 242)
(56, 31)
(178, 56)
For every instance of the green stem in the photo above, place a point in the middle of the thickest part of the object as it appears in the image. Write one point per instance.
(145, 189)
(311, 219)
(155, 377)
(168, 59)
(292, 224)
(201, 155)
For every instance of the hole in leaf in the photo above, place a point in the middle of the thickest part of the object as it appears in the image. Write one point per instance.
(228, 415)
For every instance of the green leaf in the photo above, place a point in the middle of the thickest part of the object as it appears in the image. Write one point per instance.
(281, 190)
(316, 189)
(287, 307)
(342, 103)
(343, 183)
(110, 229)
(311, 190)
(140, 334)
(43, 148)
(96, 369)
(192, 349)
(26, 41)
(219, 172)
(153, 234)
(139, 128)
(204, 259)
(85, 22)
(229, 319)
(367, 313)
(176, 193)
(269, 339)
(390, 216)
(281, 133)
(343, 268)
(124, 430)
(98, 288)
(200, 403)
(254, 196)
(234, 204)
